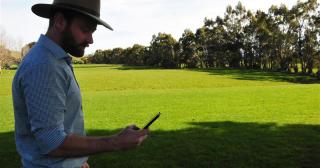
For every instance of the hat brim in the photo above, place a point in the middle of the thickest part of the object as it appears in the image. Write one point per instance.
(47, 10)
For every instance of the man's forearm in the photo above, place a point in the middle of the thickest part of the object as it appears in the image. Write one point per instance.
(77, 146)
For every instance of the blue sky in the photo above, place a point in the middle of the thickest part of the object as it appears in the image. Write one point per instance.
(134, 21)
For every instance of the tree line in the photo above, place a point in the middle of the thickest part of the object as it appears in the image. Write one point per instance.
(9, 54)
(281, 39)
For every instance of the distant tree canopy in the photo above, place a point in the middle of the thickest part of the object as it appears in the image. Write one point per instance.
(25, 49)
(8, 55)
(281, 39)
(6, 58)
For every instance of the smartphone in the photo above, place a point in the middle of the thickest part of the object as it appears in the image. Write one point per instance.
(152, 120)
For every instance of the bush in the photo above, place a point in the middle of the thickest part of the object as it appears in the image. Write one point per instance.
(13, 67)
(78, 61)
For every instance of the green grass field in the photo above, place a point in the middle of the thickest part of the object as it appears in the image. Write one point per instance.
(210, 118)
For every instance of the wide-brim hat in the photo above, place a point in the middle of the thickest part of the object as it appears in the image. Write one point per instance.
(90, 8)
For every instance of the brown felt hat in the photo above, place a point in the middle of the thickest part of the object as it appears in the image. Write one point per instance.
(90, 8)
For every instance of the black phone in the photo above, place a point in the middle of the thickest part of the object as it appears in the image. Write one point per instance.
(152, 120)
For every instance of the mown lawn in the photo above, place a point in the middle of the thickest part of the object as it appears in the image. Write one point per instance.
(210, 118)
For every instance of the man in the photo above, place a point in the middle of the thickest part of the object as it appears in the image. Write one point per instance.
(49, 129)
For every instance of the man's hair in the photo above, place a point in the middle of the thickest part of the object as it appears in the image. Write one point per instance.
(69, 15)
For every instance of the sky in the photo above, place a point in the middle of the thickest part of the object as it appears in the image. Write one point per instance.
(133, 21)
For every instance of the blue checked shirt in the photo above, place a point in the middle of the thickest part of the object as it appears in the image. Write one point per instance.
(47, 105)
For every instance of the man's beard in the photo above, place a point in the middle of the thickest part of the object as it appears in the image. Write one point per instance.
(70, 45)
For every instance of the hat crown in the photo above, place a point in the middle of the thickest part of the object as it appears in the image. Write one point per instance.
(92, 6)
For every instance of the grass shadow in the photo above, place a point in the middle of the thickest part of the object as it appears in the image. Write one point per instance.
(8, 154)
(208, 144)
(222, 144)
(259, 75)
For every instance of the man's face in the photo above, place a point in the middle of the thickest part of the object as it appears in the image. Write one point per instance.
(78, 35)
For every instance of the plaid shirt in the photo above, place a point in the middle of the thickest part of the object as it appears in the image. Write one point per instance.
(47, 105)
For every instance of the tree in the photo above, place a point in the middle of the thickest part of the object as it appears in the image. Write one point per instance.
(317, 25)
(300, 23)
(234, 36)
(188, 46)
(250, 43)
(6, 58)
(202, 46)
(163, 51)
(136, 55)
(25, 49)
(97, 57)
(117, 56)
(276, 15)
(215, 43)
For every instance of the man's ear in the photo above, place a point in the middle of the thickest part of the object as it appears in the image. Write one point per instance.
(59, 22)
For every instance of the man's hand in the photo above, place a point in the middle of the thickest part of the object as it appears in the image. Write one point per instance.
(85, 165)
(130, 137)
(76, 146)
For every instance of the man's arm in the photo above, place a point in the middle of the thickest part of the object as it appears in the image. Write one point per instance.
(76, 146)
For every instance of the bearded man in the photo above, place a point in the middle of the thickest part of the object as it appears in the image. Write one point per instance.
(49, 124)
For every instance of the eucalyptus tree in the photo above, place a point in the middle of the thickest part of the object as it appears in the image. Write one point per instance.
(281, 35)
(216, 43)
(202, 45)
(310, 48)
(263, 46)
(250, 43)
(311, 36)
(135, 55)
(117, 55)
(234, 27)
(188, 49)
(300, 23)
(317, 25)
(163, 51)
(97, 57)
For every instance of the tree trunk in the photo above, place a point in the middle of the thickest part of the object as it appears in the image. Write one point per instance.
(310, 66)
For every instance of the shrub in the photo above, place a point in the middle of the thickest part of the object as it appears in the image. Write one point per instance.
(13, 67)
(78, 61)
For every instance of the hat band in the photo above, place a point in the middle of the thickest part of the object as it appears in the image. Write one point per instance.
(81, 8)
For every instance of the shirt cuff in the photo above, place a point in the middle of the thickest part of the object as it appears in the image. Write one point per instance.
(49, 139)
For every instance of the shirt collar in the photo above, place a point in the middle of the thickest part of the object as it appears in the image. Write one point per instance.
(53, 47)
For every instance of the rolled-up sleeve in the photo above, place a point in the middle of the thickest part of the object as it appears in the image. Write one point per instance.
(45, 89)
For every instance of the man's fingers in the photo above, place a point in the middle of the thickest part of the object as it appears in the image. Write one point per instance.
(85, 165)
(144, 131)
(141, 139)
(130, 126)
(143, 135)
(134, 127)
(137, 131)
